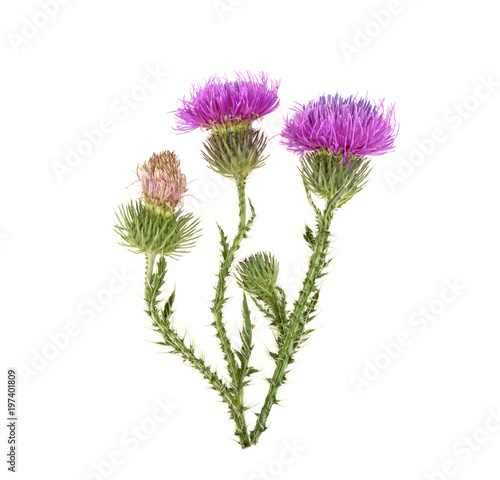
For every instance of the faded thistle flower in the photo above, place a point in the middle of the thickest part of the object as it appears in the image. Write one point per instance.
(156, 225)
(227, 108)
(163, 185)
(334, 136)
(224, 102)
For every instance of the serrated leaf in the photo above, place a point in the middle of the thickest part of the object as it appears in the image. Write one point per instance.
(223, 241)
(168, 307)
(309, 237)
(245, 351)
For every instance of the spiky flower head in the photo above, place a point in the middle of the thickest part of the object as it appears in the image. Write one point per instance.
(221, 101)
(346, 126)
(258, 273)
(163, 185)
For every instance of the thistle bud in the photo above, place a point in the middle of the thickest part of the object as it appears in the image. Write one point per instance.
(156, 224)
(258, 274)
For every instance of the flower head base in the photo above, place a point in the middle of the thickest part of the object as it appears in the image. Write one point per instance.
(153, 231)
(163, 185)
(228, 102)
(346, 126)
(235, 151)
(325, 175)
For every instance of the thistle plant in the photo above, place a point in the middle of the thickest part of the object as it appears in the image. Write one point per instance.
(334, 138)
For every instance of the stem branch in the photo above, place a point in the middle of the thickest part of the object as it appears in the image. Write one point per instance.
(297, 323)
(218, 304)
(177, 344)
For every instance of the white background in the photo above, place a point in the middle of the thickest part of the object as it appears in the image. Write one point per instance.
(428, 218)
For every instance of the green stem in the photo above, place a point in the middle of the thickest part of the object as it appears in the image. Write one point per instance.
(150, 265)
(177, 344)
(218, 304)
(242, 204)
(220, 289)
(297, 323)
(172, 339)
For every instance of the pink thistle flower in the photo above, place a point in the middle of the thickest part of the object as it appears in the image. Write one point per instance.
(350, 126)
(227, 102)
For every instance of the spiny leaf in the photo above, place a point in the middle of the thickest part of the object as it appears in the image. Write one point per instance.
(309, 237)
(223, 241)
(252, 215)
(245, 352)
(168, 308)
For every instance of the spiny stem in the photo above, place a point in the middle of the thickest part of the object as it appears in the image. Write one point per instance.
(177, 344)
(296, 326)
(220, 289)
(242, 204)
(218, 304)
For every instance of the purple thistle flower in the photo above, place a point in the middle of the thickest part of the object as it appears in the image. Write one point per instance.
(224, 102)
(162, 182)
(351, 126)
